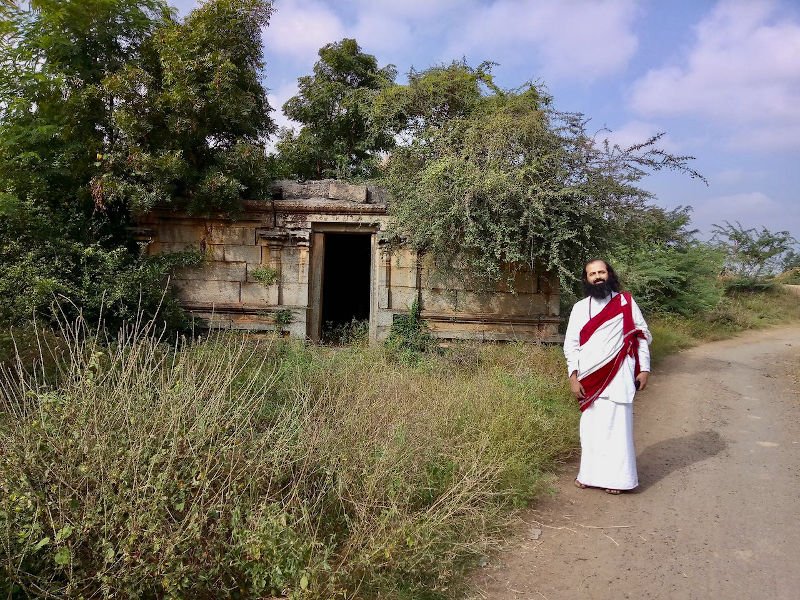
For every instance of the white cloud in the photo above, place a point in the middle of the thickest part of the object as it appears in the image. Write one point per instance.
(751, 209)
(379, 33)
(299, 28)
(578, 40)
(276, 100)
(414, 10)
(743, 71)
(729, 176)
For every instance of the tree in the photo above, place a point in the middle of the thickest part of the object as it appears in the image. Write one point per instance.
(484, 177)
(192, 119)
(111, 106)
(753, 253)
(340, 136)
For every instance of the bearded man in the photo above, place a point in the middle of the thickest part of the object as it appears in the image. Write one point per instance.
(608, 360)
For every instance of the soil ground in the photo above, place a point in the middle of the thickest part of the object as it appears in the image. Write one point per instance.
(717, 513)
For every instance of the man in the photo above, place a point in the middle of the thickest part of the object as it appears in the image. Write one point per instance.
(608, 359)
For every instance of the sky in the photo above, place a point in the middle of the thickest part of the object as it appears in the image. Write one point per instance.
(720, 78)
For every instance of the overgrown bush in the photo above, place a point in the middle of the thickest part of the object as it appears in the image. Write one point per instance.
(41, 264)
(679, 280)
(353, 332)
(232, 468)
(410, 335)
(751, 255)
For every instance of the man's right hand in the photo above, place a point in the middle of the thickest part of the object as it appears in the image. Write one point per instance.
(576, 387)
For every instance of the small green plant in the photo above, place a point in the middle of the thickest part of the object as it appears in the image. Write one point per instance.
(283, 317)
(265, 275)
(410, 332)
(350, 333)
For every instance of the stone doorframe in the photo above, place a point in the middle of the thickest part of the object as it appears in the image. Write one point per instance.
(316, 274)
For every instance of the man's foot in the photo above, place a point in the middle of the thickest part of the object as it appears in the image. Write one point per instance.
(580, 485)
(613, 492)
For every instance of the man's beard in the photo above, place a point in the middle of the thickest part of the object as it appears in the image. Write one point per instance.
(598, 290)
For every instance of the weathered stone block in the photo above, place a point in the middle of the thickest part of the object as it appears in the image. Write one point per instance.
(294, 294)
(211, 320)
(340, 190)
(522, 305)
(440, 301)
(286, 188)
(199, 292)
(403, 276)
(384, 318)
(216, 252)
(257, 294)
(226, 234)
(377, 195)
(215, 271)
(170, 247)
(431, 279)
(402, 298)
(182, 233)
(248, 254)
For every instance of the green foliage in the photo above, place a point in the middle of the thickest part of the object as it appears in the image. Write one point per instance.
(791, 260)
(283, 317)
(681, 280)
(191, 119)
(340, 136)
(752, 254)
(351, 333)
(410, 335)
(485, 177)
(110, 106)
(40, 268)
(264, 275)
(233, 469)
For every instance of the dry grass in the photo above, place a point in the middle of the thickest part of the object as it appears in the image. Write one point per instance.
(737, 313)
(229, 468)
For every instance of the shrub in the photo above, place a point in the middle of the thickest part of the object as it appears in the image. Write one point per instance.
(236, 468)
(265, 275)
(752, 254)
(353, 332)
(679, 280)
(410, 334)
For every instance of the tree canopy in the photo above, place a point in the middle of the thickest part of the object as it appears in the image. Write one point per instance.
(110, 107)
(485, 177)
(339, 135)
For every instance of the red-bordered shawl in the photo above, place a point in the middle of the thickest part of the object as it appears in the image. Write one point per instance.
(603, 338)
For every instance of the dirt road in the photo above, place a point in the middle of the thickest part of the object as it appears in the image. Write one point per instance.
(717, 514)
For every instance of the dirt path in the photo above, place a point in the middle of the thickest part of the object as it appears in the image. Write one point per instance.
(717, 514)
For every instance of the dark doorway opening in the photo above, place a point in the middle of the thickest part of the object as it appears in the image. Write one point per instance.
(345, 285)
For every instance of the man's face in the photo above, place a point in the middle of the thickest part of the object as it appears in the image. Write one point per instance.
(596, 272)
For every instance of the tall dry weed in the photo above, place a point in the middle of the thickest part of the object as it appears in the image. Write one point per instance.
(237, 468)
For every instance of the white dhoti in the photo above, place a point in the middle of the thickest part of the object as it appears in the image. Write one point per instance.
(608, 457)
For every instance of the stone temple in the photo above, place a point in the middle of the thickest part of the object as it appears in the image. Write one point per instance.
(315, 256)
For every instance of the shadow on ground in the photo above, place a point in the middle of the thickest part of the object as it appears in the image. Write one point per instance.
(661, 459)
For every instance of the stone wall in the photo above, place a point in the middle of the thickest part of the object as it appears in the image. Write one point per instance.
(284, 237)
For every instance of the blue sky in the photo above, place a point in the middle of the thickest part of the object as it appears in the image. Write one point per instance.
(722, 78)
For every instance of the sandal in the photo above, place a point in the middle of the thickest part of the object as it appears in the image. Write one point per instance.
(578, 484)
(613, 492)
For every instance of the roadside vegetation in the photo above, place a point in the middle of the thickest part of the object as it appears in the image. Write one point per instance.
(137, 461)
(135, 466)
(229, 467)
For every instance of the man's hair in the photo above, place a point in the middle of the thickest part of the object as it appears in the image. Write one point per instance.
(613, 280)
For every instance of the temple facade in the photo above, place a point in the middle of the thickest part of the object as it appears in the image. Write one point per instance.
(315, 256)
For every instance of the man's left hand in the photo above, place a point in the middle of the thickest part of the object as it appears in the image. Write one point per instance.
(642, 379)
